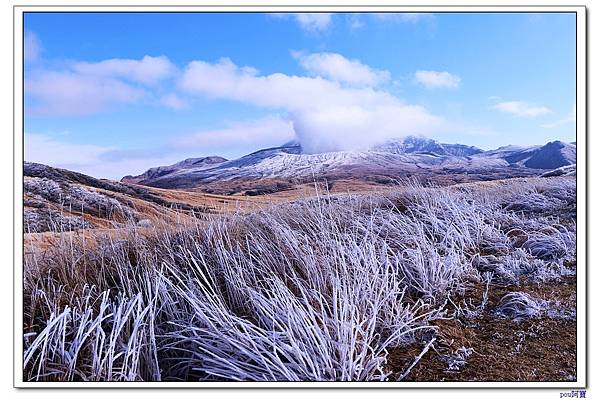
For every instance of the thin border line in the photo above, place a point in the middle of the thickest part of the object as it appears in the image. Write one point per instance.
(301, 6)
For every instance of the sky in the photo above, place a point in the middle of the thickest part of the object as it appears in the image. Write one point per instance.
(112, 94)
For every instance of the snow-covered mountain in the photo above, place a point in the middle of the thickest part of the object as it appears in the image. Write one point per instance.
(549, 156)
(394, 158)
(552, 155)
(415, 144)
(157, 172)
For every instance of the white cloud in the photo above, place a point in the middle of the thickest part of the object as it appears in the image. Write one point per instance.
(326, 114)
(267, 132)
(225, 80)
(32, 47)
(173, 101)
(521, 108)
(338, 68)
(437, 79)
(148, 70)
(68, 93)
(85, 88)
(309, 22)
(358, 127)
(570, 118)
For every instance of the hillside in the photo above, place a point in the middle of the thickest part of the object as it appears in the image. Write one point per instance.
(61, 200)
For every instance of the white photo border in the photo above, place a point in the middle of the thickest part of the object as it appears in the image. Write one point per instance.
(582, 189)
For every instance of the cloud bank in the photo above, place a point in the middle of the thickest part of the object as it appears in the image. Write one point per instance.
(327, 115)
(67, 93)
(340, 105)
(84, 88)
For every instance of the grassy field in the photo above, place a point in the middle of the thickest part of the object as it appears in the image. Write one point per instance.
(467, 282)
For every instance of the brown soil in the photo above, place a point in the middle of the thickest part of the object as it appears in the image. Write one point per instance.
(540, 349)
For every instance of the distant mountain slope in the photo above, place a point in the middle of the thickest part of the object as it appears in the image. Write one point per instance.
(395, 159)
(550, 156)
(553, 155)
(157, 172)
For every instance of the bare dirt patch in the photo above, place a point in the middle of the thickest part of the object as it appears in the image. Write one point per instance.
(538, 349)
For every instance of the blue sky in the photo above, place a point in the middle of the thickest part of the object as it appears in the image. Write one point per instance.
(114, 94)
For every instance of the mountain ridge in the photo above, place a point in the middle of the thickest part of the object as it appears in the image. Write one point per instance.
(393, 158)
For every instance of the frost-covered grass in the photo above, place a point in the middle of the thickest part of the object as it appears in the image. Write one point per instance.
(458, 360)
(318, 289)
(76, 198)
(520, 305)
